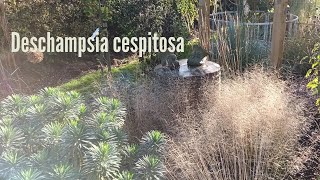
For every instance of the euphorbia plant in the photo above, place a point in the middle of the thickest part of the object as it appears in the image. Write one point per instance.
(57, 135)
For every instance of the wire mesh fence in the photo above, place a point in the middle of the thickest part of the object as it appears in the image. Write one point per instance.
(240, 41)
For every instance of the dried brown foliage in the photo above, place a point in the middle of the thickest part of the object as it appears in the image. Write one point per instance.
(248, 131)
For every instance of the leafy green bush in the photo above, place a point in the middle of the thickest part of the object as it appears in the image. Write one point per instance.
(260, 5)
(296, 48)
(304, 9)
(56, 135)
(313, 73)
(81, 17)
(189, 11)
(61, 18)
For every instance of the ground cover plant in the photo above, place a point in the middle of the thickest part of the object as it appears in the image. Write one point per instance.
(56, 135)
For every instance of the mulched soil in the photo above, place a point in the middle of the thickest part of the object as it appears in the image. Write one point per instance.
(29, 78)
(307, 161)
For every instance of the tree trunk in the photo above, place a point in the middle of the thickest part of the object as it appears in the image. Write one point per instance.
(204, 24)
(278, 32)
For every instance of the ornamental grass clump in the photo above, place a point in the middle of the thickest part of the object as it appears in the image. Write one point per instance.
(248, 130)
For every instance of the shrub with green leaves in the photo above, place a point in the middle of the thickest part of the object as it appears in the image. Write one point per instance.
(313, 73)
(59, 135)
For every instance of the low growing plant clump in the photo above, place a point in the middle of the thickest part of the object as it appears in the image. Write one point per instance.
(56, 135)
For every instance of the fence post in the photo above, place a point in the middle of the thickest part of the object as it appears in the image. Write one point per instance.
(278, 32)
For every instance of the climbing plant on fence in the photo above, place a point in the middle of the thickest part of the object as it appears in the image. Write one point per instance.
(56, 135)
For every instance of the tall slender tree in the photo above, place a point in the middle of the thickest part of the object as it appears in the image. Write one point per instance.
(7, 61)
(204, 24)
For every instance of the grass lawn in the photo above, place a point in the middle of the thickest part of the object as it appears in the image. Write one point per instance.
(88, 83)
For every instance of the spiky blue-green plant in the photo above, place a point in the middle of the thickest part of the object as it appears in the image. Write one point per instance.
(56, 135)
(43, 160)
(10, 136)
(15, 107)
(149, 168)
(63, 172)
(52, 133)
(111, 106)
(11, 163)
(29, 174)
(74, 139)
(152, 143)
(126, 175)
(130, 156)
(103, 159)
